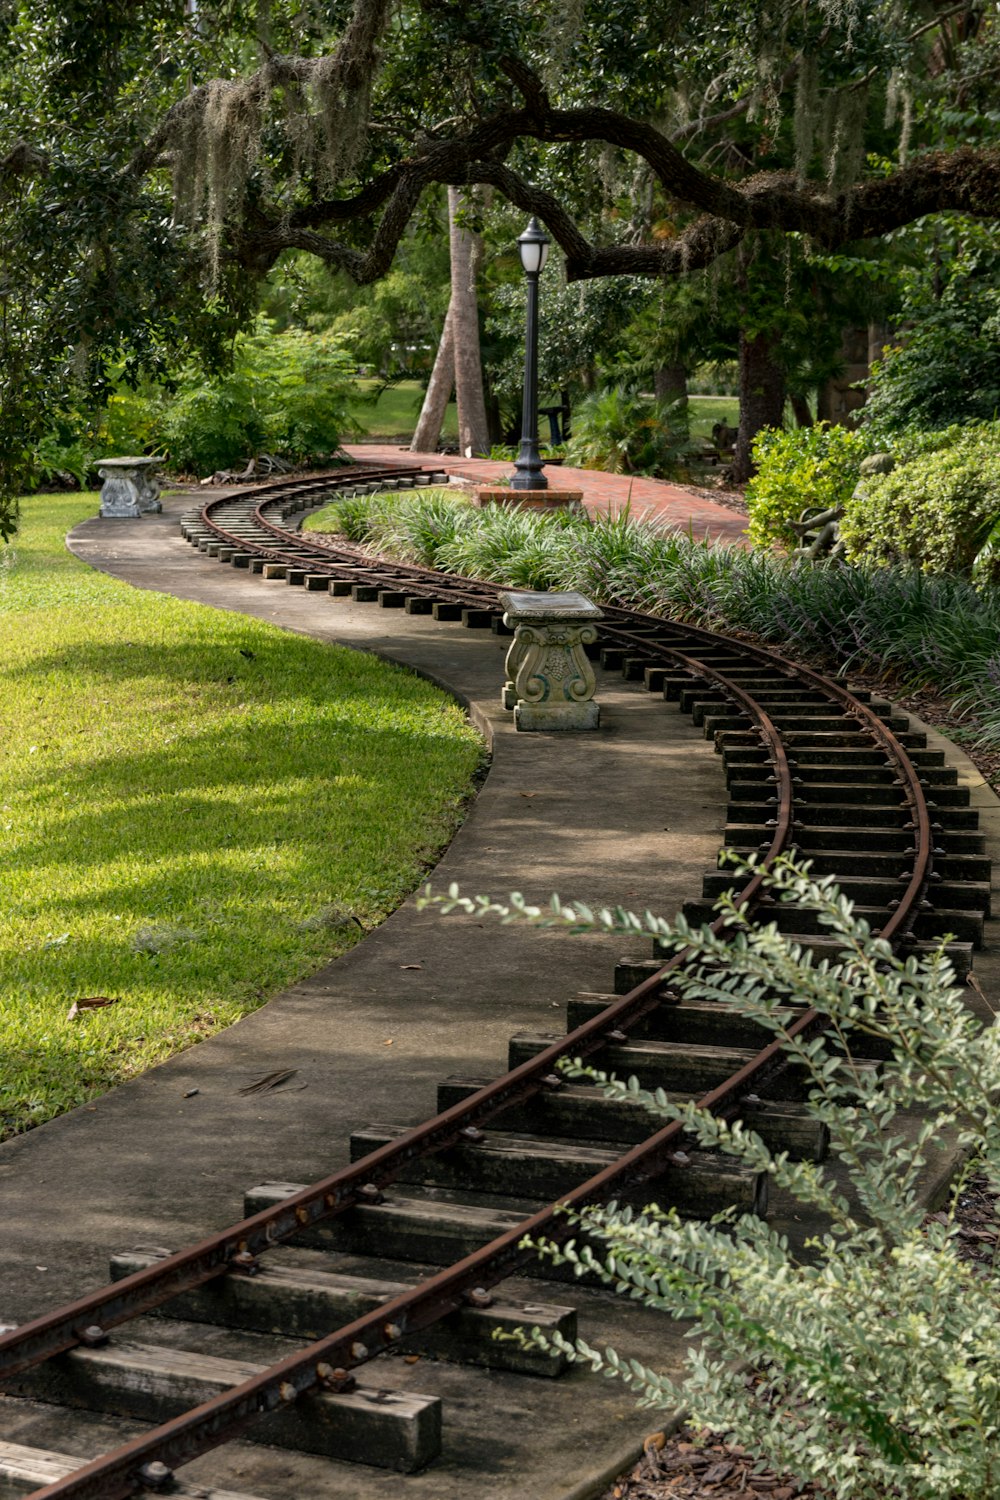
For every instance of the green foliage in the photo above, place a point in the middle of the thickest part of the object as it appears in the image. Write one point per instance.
(946, 367)
(415, 524)
(287, 394)
(910, 627)
(874, 1348)
(187, 799)
(933, 511)
(805, 468)
(622, 432)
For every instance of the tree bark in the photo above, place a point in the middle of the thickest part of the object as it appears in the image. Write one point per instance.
(800, 409)
(670, 383)
(466, 251)
(438, 393)
(762, 397)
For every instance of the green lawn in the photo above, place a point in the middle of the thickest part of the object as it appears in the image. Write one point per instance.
(705, 411)
(195, 810)
(396, 411)
(398, 408)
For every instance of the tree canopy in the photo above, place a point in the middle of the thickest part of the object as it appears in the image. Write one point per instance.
(157, 160)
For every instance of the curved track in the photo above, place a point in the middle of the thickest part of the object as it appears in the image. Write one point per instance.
(811, 766)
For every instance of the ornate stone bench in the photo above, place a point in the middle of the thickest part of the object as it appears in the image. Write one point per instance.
(550, 683)
(129, 486)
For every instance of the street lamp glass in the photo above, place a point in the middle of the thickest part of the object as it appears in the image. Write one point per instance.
(534, 247)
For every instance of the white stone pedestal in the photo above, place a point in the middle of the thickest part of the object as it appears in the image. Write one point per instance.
(129, 486)
(550, 683)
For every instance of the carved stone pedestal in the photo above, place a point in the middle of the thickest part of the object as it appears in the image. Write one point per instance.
(129, 486)
(550, 683)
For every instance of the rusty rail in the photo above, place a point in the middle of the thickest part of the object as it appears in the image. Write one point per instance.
(119, 1474)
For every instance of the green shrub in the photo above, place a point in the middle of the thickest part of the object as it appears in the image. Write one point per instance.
(947, 367)
(806, 468)
(934, 511)
(286, 394)
(621, 432)
(212, 425)
(131, 423)
(873, 1348)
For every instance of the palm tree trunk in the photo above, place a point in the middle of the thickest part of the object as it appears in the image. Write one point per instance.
(466, 251)
(438, 393)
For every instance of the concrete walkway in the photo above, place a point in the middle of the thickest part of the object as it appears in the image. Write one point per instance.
(655, 499)
(633, 812)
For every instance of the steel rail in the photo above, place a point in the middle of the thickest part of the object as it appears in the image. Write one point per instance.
(118, 1474)
(619, 626)
(109, 1306)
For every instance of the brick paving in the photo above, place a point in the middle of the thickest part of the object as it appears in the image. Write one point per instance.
(652, 499)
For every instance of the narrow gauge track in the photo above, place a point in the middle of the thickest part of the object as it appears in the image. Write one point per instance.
(811, 767)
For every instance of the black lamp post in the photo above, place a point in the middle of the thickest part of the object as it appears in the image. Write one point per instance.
(534, 247)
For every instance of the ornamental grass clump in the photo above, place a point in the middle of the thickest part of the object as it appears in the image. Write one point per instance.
(918, 630)
(866, 1359)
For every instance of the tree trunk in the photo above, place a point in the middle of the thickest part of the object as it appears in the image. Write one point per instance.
(466, 251)
(438, 394)
(762, 397)
(670, 383)
(800, 409)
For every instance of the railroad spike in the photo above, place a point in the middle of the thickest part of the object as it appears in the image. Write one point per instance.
(479, 1297)
(472, 1133)
(552, 1081)
(243, 1263)
(359, 1350)
(617, 1035)
(338, 1380)
(287, 1391)
(392, 1332)
(94, 1336)
(157, 1477)
(371, 1193)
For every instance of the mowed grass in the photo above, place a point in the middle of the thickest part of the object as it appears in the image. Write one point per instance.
(195, 810)
(396, 410)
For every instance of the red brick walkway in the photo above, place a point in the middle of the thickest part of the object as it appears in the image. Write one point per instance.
(652, 499)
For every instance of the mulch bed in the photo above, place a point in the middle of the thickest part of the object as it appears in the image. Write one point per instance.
(699, 1465)
(719, 494)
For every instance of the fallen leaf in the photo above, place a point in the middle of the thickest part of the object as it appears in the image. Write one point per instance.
(387, 1042)
(527, 794)
(411, 966)
(269, 1081)
(191, 1093)
(411, 1359)
(654, 1442)
(90, 1002)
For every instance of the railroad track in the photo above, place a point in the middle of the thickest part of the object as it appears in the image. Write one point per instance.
(811, 767)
